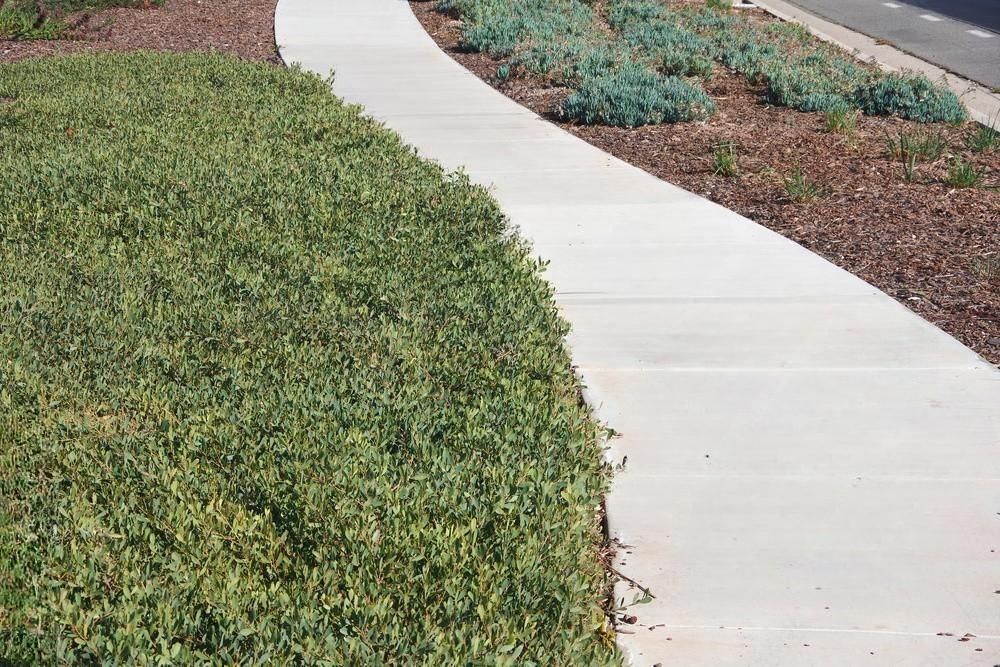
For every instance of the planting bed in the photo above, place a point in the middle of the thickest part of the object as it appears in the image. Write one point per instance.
(241, 27)
(933, 246)
(273, 389)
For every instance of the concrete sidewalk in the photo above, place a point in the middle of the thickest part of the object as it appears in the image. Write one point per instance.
(813, 472)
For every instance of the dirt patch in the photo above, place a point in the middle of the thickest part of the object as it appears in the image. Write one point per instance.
(923, 242)
(241, 27)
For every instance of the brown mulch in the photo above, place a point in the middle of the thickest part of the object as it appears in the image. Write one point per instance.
(241, 27)
(919, 242)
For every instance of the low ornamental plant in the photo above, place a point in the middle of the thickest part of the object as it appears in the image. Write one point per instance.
(45, 19)
(566, 43)
(800, 189)
(273, 389)
(911, 147)
(910, 96)
(985, 138)
(633, 96)
(725, 159)
(962, 174)
(840, 120)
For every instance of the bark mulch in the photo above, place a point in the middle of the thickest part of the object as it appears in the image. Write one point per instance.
(934, 248)
(241, 27)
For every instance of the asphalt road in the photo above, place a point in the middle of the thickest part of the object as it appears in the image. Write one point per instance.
(959, 35)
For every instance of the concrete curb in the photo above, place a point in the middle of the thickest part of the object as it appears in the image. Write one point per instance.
(984, 106)
(812, 469)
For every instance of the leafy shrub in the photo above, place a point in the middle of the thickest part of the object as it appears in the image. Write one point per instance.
(910, 96)
(29, 19)
(628, 12)
(567, 62)
(747, 55)
(566, 42)
(274, 390)
(796, 88)
(791, 31)
(22, 24)
(634, 96)
(813, 82)
(499, 27)
(673, 49)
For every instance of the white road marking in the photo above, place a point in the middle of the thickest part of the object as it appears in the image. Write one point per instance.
(931, 17)
(892, 5)
(980, 33)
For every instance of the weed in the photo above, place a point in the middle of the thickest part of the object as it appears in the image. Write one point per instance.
(840, 120)
(789, 30)
(800, 189)
(719, 5)
(962, 174)
(985, 138)
(724, 159)
(910, 147)
(986, 268)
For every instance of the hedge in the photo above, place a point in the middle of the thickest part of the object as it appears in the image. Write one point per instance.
(273, 389)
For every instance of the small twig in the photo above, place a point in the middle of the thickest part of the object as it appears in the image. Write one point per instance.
(631, 581)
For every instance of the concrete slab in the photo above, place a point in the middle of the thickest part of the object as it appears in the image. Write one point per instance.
(685, 220)
(731, 273)
(813, 472)
(812, 647)
(542, 154)
(815, 422)
(728, 333)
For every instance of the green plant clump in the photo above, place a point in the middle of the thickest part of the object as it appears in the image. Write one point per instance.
(840, 120)
(499, 27)
(962, 174)
(568, 43)
(273, 389)
(910, 96)
(725, 161)
(670, 48)
(30, 19)
(912, 147)
(633, 96)
(985, 138)
(800, 189)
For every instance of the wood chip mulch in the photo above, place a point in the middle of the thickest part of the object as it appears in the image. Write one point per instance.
(933, 248)
(241, 27)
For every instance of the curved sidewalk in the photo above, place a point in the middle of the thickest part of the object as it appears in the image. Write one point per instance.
(813, 472)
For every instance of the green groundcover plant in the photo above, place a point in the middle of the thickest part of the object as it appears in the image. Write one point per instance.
(273, 389)
(44, 19)
(595, 49)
